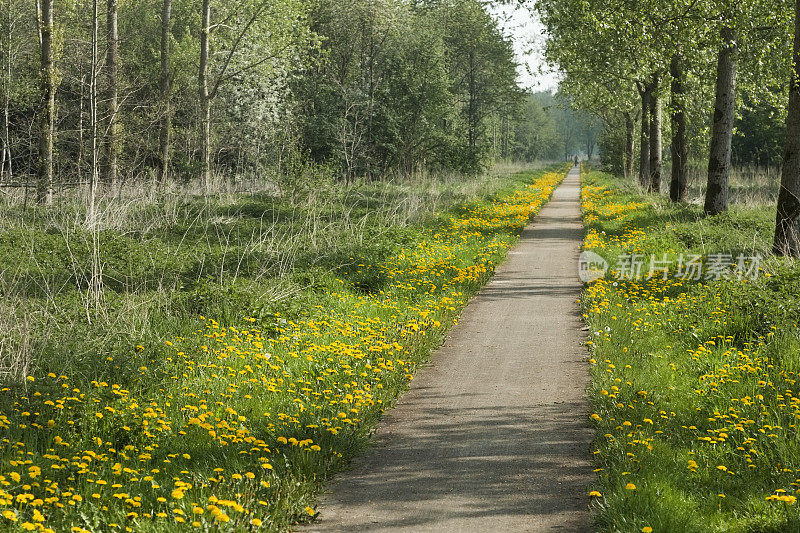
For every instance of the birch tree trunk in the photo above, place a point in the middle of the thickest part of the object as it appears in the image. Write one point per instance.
(94, 173)
(95, 289)
(6, 169)
(203, 95)
(627, 158)
(654, 184)
(719, 160)
(164, 86)
(644, 149)
(678, 184)
(47, 111)
(112, 97)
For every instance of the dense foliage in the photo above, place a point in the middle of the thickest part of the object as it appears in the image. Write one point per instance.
(624, 60)
(356, 88)
(628, 62)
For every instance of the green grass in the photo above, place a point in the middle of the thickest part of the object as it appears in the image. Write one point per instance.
(169, 259)
(694, 389)
(135, 412)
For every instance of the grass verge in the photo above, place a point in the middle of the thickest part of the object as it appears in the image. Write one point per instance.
(234, 426)
(694, 391)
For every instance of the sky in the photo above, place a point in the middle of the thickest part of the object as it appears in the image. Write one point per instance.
(526, 30)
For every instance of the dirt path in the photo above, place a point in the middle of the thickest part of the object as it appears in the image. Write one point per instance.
(493, 435)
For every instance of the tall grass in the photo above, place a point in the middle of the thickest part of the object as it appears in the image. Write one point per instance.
(169, 254)
(750, 185)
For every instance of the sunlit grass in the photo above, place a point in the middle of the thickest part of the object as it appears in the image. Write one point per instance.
(694, 392)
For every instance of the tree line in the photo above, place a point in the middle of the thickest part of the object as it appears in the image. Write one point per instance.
(700, 61)
(100, 92)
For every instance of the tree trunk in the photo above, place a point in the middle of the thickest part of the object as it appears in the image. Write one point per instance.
(81, 128)
(589, 145)
(644, 154)
(164, 86)
(627, 157)
(787, 222)
(655, 138)
(44, 186)
(93, 121)
(112, 97)
(95, 289)
(204, 99)
(679, 182)
(39, 21)
(506, 133)
(472, 110)
(719, 161)
(7, 169)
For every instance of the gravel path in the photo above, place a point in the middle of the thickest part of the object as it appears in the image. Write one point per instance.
(493, 434)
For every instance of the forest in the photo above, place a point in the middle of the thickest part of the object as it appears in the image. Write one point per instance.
(102, 96)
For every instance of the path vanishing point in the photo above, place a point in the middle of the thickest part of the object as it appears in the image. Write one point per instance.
(493, 435)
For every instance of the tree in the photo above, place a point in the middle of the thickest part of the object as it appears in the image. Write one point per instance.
(536, 134)
(251, 39)
(758, 28)
(93, 119)
(760, 136)
(482, 69)
(6, 167)
(616, 143)
(719, 159)
(47, 108)
(165, 128)
(418, 95)
(654, 110)
(635, 42)
(646, 94)
(112, 143)
(364, 87)
(630, 144)
(787, 221)
(401, 85)
(590, 128)
(679, 150)
(351, 86)
(204, 96)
